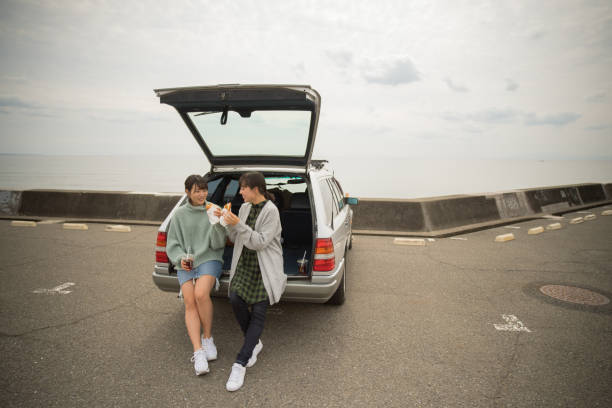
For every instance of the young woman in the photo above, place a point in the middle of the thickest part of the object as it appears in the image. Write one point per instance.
(190, 230)
(257, 277)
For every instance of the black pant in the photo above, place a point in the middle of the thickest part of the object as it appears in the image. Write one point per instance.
(251, 322)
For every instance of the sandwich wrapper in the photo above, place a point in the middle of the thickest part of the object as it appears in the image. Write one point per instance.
(226, 208)
(210, 211)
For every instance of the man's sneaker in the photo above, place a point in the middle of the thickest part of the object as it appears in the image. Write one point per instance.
(256, 351)
(199, 362)
(209, 346)
(236, 378)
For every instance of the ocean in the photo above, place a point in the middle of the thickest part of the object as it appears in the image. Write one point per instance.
(359, 176)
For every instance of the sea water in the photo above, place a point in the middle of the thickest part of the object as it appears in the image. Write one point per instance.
(382, 177)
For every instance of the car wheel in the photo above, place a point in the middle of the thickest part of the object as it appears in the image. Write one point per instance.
(340, 296)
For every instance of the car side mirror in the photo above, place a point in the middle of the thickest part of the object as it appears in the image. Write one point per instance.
(351, 200)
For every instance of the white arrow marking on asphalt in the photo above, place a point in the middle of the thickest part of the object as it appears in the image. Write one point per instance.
(512, 324)
(58, 290)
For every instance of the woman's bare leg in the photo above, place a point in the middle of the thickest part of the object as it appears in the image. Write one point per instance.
(192, 318)
(204, 304)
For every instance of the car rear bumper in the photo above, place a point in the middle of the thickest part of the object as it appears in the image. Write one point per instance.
(317, 289)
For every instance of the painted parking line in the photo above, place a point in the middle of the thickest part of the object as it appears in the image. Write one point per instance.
(512, 227)
(459, 238)
(58, 290)
(512, 324)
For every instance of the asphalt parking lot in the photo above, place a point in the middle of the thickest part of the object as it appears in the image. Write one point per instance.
(459, 321)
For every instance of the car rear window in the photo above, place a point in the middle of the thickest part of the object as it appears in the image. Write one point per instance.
(264, 132)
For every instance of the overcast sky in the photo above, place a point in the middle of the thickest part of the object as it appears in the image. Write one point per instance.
(485, 79)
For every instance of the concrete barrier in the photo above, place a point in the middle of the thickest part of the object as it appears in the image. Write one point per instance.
(608, 190)
(10, 201)
(94, 205)
(395, 214)
(429, 217)
(444, 216)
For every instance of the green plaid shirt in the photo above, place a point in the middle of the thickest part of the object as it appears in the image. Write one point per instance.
(247, 282)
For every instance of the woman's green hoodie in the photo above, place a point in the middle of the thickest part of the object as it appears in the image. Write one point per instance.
(190, 228)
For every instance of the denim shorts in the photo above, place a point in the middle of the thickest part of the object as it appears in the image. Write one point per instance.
(212, 268)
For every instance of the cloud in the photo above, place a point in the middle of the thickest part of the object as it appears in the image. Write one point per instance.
(456, 87)
(13, 102)
(14, 79)
(489, 116)
(493, 116)
(597, 128)
(596, 98)
(558, 119)
(511, 86)
(536, 35)
(299, 69)
(400, 71)
(343, 59)
(496, 116)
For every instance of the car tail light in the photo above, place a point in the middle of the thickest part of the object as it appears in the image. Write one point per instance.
(324, 258)
(160, 248)
(161, 239)
(161, 257)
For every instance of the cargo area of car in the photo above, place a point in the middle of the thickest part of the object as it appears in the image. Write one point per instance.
(290, 195)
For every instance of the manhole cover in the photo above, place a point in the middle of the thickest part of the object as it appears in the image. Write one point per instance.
(574, 295)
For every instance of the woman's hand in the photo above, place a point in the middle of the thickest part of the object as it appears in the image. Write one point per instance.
(231, 218)
(218, 212)
(184, 265)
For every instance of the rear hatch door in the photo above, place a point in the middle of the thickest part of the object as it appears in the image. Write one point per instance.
(249, 125)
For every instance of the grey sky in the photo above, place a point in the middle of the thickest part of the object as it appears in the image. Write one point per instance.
(488, 79)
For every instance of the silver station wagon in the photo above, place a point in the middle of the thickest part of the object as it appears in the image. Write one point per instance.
(271, 129)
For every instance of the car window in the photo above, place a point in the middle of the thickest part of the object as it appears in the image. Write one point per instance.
(212, 187)
(230, 191)
(335, 208)
(337, 192)
(263, 132)
(328, 201)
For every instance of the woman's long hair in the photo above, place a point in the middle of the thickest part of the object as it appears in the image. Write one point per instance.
(254, 179)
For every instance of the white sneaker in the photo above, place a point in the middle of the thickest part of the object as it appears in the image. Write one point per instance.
(256, 351)
(199, 362)
(209, 346)
(236, 378)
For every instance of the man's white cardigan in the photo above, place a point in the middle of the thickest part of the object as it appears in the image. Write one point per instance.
(266, 240)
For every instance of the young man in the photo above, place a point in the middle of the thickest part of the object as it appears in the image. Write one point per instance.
(191, 231)
(257, 276)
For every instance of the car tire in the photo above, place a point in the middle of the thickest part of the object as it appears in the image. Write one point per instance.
(340, 295)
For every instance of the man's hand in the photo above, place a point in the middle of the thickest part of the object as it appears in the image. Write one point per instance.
(231, 218)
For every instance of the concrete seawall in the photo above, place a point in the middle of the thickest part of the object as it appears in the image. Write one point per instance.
(448, 215)
(142, 208)
(436, 216)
